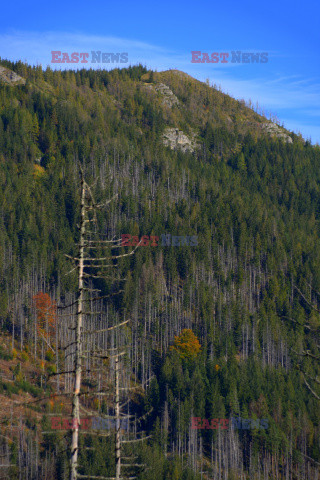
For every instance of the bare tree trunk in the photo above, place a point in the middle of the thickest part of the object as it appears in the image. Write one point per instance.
(117, 411)
(78, 359)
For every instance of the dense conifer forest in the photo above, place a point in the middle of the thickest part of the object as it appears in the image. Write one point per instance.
(223, 329)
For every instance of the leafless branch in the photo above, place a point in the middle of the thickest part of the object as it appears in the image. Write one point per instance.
(312, 391)
(91, 332)
(309, 303)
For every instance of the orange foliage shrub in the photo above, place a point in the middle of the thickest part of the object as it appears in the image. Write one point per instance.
(46, 311)
(186, 344)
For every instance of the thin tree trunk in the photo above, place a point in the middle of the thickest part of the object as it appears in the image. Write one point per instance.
(117, 411)
(78, 359)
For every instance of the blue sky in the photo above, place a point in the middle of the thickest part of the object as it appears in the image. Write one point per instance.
(162, 36)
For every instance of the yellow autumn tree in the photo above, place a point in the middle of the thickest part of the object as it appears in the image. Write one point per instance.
(186, 344)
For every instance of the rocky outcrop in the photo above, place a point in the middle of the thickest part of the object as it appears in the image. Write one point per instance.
(11, 77)
(275, 131)
(168, 97)
(176, 139)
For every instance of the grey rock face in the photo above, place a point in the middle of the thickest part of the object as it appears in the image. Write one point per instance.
(169, 99)
(274, 130)
(176, 139)
(11, 77)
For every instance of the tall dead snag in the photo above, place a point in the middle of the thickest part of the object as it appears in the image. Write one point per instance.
(78, 364)
(86, 262)
(117, 412)
(119, 443)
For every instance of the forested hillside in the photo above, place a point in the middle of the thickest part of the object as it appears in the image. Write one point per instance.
(249, 290)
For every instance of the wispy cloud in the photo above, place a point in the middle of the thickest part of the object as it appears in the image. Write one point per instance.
(292, 97)
(35, 47)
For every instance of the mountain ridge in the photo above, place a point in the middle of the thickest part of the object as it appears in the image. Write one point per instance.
(246, 295)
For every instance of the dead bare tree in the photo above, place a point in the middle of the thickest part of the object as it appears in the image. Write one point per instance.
(84, 262)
